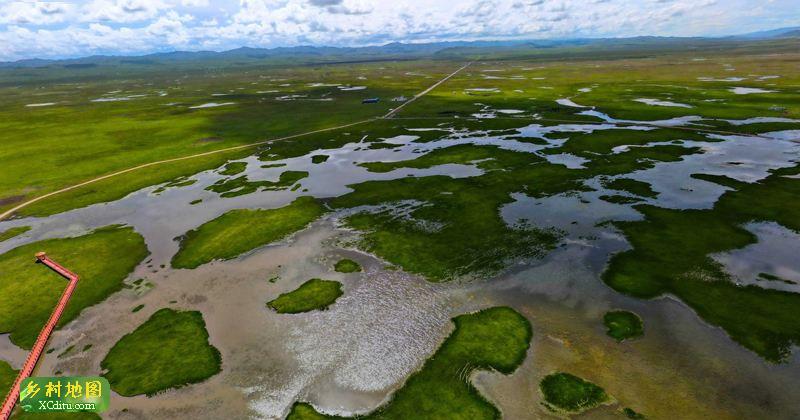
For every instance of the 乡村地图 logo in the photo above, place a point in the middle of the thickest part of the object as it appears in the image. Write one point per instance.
(64, 394)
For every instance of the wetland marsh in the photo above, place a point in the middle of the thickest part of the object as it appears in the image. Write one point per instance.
(531, 238)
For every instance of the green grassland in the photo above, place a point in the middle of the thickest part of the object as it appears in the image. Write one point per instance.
(533, 87)
(102, 259)
(671, 251)
(12, 232)
(347, 266)
(623, 325)
(496, 338)
(568, 393)
(51, 147)
(117, 187)
(315, 294)
(169, 350)
(77, 139)
(240, 231)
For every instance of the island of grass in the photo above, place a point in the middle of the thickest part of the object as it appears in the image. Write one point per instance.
(347, 266)
(242, 186)
(632, 186)
(495, 338)
(620, 199)
(566, 393)
(233, 168)
(182, 181)
(240, 231)
(623, 325)
(317, 159)
(169, 350)
(29, 291)
(12, 232)
(315, 294)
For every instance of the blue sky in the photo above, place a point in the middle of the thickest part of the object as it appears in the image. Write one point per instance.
(73, 28)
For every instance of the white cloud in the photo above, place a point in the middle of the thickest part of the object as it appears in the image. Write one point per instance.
(35, 13)
(83, 27)
(122, 11)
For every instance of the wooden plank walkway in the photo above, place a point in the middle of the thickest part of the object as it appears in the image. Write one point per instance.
(41, 341)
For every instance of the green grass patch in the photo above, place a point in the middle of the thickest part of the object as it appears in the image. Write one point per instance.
(7, 376)
(632, 186)
(169, 350)
(12, 232)
(234, 187)
(460, 154)
(620, 199)
(102, 259)
(233, 168)
(623, 325)
(346, 265)
(495, 338)
(315, 294)
(568, 393)
(317, 159)
(240, 231)
(181, 181)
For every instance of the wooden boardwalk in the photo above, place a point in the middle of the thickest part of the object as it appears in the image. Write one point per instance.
(44, 335)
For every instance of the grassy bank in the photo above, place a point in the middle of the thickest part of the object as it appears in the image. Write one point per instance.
(240, 231)
(12, 232)
(103, 259)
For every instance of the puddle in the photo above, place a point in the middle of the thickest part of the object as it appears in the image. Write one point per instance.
(744, 158)
(760, 120)
(569, 103)
(657, 102)
(211, 105)
(775, 254)
(748, 91)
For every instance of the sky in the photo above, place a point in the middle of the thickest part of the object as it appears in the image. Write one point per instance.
(76, 28)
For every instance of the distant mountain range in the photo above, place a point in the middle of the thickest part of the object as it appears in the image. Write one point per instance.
(398, 50)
